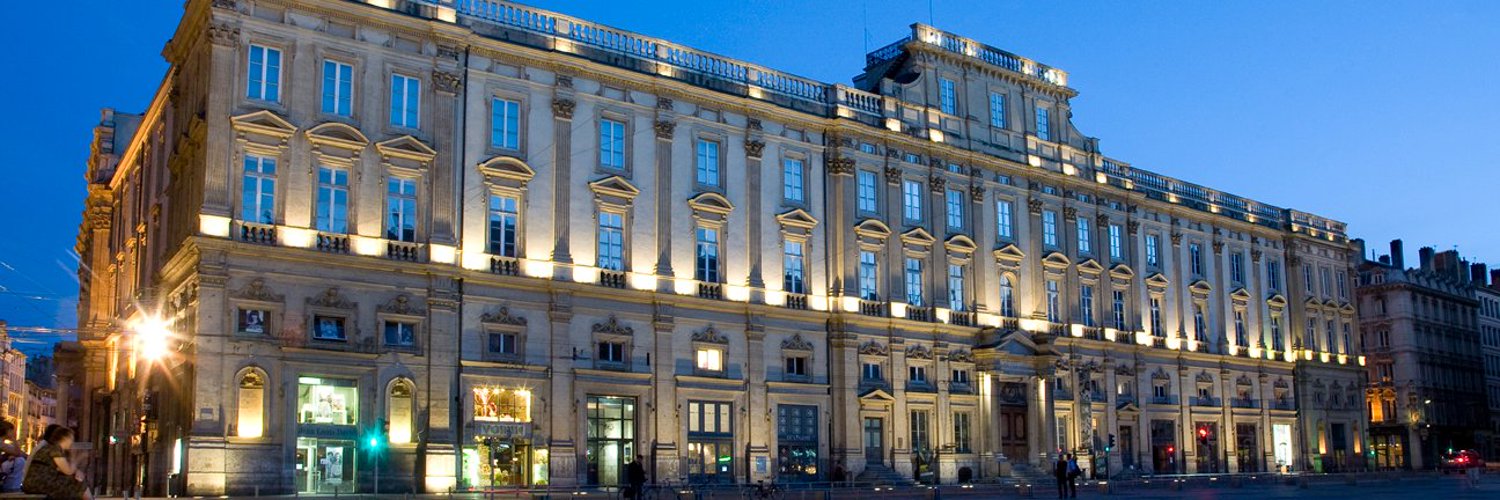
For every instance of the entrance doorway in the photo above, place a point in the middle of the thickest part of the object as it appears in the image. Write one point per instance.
(1013, 430)
(1163, 447)
(325, 466)
(611, 439)
(1245, 438)
(1127, 446)
(874, 440)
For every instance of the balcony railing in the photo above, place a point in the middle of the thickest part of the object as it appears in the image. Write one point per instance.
(920, 386)
(1283, 405)
(1164, 400)
(612, 278)
(962, 318)
(873, 308)
(403, 250)
(264, 234)
(333, 243)
(1204, 401)
(1062, 395)
(710, 290)
(919, 313)
(1244, 403)
(796, 301)
(509, 266)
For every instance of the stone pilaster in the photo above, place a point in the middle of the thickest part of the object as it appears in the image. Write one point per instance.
(564, 402)
(754, 146)
(449, 161)
(664, 128)
(562, 187)
(665, 409)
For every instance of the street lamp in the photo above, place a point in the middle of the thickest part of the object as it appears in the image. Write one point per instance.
(152, 339)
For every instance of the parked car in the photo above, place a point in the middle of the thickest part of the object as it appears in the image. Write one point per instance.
(1464, 459)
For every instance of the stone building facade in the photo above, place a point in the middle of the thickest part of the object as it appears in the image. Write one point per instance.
(475, 243)
(1422, 330)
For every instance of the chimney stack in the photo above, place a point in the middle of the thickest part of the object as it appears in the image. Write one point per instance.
(1479, 274)
(1424, 258)
(1398, 257)
(1495, 279)
(1385, 260)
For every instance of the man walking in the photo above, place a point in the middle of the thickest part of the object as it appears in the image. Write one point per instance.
(1060, 471)
(1073, 473)
(635, 473)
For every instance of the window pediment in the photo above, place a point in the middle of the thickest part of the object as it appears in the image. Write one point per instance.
(1157, 281)
(797, 218)
(712, 207)
(1056, 261)
(874, 229)
(1276, 301)
(1240, 296)
(1121, 272)
(506, 171)
(1200, 288)
(406, 148)
(266, 125)
(918, 237)
(337, 135)
(960, 245)
(1009, 255)
(614, 190)
(1090, 266)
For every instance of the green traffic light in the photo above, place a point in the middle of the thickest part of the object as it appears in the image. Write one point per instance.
(374, 442)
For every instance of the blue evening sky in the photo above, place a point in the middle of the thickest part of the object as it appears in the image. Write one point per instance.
(1376, 113)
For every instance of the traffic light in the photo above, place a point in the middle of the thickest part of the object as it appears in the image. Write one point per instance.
(1171, 449)
(1203, 434)
(1111, 445)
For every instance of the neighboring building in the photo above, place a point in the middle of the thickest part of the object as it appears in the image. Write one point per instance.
(520, 248)
(41, 411)
(1422, 329)
(1487, 290)
(12, 382)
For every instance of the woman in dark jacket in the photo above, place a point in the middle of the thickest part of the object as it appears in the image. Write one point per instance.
(50, 473)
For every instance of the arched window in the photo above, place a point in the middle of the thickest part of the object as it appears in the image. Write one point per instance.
(251, 405)
(399, 411)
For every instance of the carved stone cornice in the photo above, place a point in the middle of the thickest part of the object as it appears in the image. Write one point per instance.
(1218, 247)
(664, 128)
(503, 316)
(840, 165)
(753, 148)
(1101, 219)
(664, 103)
(224, 34)
(961, 356)
(446, 82)
(892, 175)
(562, 108)
(976, 193)
(753, 124)
(937, 183)
(1133, 227)
(224, 4)
(796, 343)
(612, 326)
(1034, 205)
(1176, 238)
(1255, 255)
(565, 81)
(257, 290)
(402, 305)
(1070, 213)
(710, 335)
(330, 298)
(873, 348)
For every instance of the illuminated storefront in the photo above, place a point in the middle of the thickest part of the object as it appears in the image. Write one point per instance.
(327, 425)
(500, 451)
(611, 439)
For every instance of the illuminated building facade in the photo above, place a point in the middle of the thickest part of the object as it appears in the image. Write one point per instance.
(519, 248)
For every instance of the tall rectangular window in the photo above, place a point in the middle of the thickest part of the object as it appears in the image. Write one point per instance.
(503, 217)
(955, 199)
(1085, 243)
(333, 200)
(791, 262)
(1307, 277)
(947, 97)
(1007, 297)
(1054, 308)
(258, 190)
(1153, 249)
(1043, 124)
(920, 437)
(1200, 324)
(1276, 342)
(956, 287)
(1273, 274)
(1327, 282)
(1049, 228)
(1116, 242)
(707, 268)
(401, 209)
(914, 281)
(1118, 308)
(1086, 304)
(1237, 267)
(338, 88)
(612, 241)
(265, 74)
(1343, 285)
(1004, 221)
(867, 191)
(708, 163)
(1310, 334)
(961, 432)
(505, 123)
(1195, 258)
(1157, 329)
(406, 101)
(1348, 346)
(612, 144)
(792, 180)
(911, 200)
(997, 110)
(867, 278)
(1241, 338)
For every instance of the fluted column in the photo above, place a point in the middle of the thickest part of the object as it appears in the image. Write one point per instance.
(664, 128)
(562, 187)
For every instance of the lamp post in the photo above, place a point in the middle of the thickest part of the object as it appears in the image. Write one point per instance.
(152, 336)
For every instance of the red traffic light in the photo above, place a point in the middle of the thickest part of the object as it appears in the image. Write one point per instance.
(1203, 432)
(1171, 449)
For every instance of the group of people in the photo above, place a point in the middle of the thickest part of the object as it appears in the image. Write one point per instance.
(47, 471)
(1066, 471)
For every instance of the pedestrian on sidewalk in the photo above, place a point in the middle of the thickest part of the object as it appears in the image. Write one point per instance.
(1060, 471)
(1073, 473)
(636, 474)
